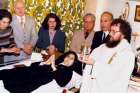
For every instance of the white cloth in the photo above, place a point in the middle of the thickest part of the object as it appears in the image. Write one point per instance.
(51, 87)
(75, 81)
(2, 89)
(113, 77)
(132, 89)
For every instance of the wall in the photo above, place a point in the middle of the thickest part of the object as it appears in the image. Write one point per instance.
(99, 6)
(90, 6)
(135, 25)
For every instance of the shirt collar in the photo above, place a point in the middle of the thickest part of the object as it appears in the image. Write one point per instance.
(19, 18)
(106, 33)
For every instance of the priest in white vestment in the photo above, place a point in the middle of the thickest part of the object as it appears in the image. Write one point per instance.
(112, 62)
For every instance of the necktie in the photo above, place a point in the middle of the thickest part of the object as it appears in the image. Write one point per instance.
(86, 34)
(22, 22)
(103, 36)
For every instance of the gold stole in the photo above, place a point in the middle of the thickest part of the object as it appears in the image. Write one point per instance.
(110, 60)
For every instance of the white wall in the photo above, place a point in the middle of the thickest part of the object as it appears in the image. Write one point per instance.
(135, 25)
(99, 6)
(90, 6)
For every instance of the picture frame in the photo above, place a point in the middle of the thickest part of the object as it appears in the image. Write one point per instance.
(125, 11)
(137, 13)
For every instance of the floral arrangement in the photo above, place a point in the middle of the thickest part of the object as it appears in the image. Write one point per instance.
(70, 12)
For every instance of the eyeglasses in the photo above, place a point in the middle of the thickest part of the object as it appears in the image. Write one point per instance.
(114, 32)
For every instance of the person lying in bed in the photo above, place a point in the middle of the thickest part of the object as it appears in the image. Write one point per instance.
(63, 74)
(27, 79)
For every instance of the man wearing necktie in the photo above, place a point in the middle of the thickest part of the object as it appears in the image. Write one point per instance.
(24, 32)
(100, 36)
(84, 37)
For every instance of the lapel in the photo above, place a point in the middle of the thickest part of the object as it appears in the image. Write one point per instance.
(17, 30)
(91, 34)
(16, 22)
(47, 37)
(55, 36)
(88, 40)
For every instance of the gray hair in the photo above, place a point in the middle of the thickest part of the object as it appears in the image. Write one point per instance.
(19, 1)
(90, 14)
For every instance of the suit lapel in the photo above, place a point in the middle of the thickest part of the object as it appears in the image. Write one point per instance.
(48, 36)
(18, 33)
(16, 21)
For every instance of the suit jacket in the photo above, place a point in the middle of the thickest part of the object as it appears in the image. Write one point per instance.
(79, 39)
(44, 39)
(28, 34)
(97, 40)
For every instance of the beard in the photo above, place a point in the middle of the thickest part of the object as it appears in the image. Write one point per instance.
(111, 43)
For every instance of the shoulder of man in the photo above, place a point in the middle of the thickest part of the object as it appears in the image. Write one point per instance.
(30, 18)
(98, 32)
(78, 32)
(14, 17)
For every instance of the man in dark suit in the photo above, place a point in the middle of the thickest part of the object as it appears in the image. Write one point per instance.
(100, 36)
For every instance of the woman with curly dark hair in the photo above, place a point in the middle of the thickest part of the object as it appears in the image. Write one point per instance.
(50, 33)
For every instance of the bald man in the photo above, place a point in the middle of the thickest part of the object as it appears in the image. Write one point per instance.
(100, 36)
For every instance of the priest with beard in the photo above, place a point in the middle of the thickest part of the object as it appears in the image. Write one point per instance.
(113, 62)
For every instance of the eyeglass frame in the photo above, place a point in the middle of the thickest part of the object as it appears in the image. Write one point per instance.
(113, 32)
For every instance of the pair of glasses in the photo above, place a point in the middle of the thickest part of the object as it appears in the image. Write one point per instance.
(114, 32)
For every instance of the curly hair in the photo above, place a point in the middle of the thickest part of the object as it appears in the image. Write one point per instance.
(5, 14)
(57, 19)
(125, 28)
(62, 57)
